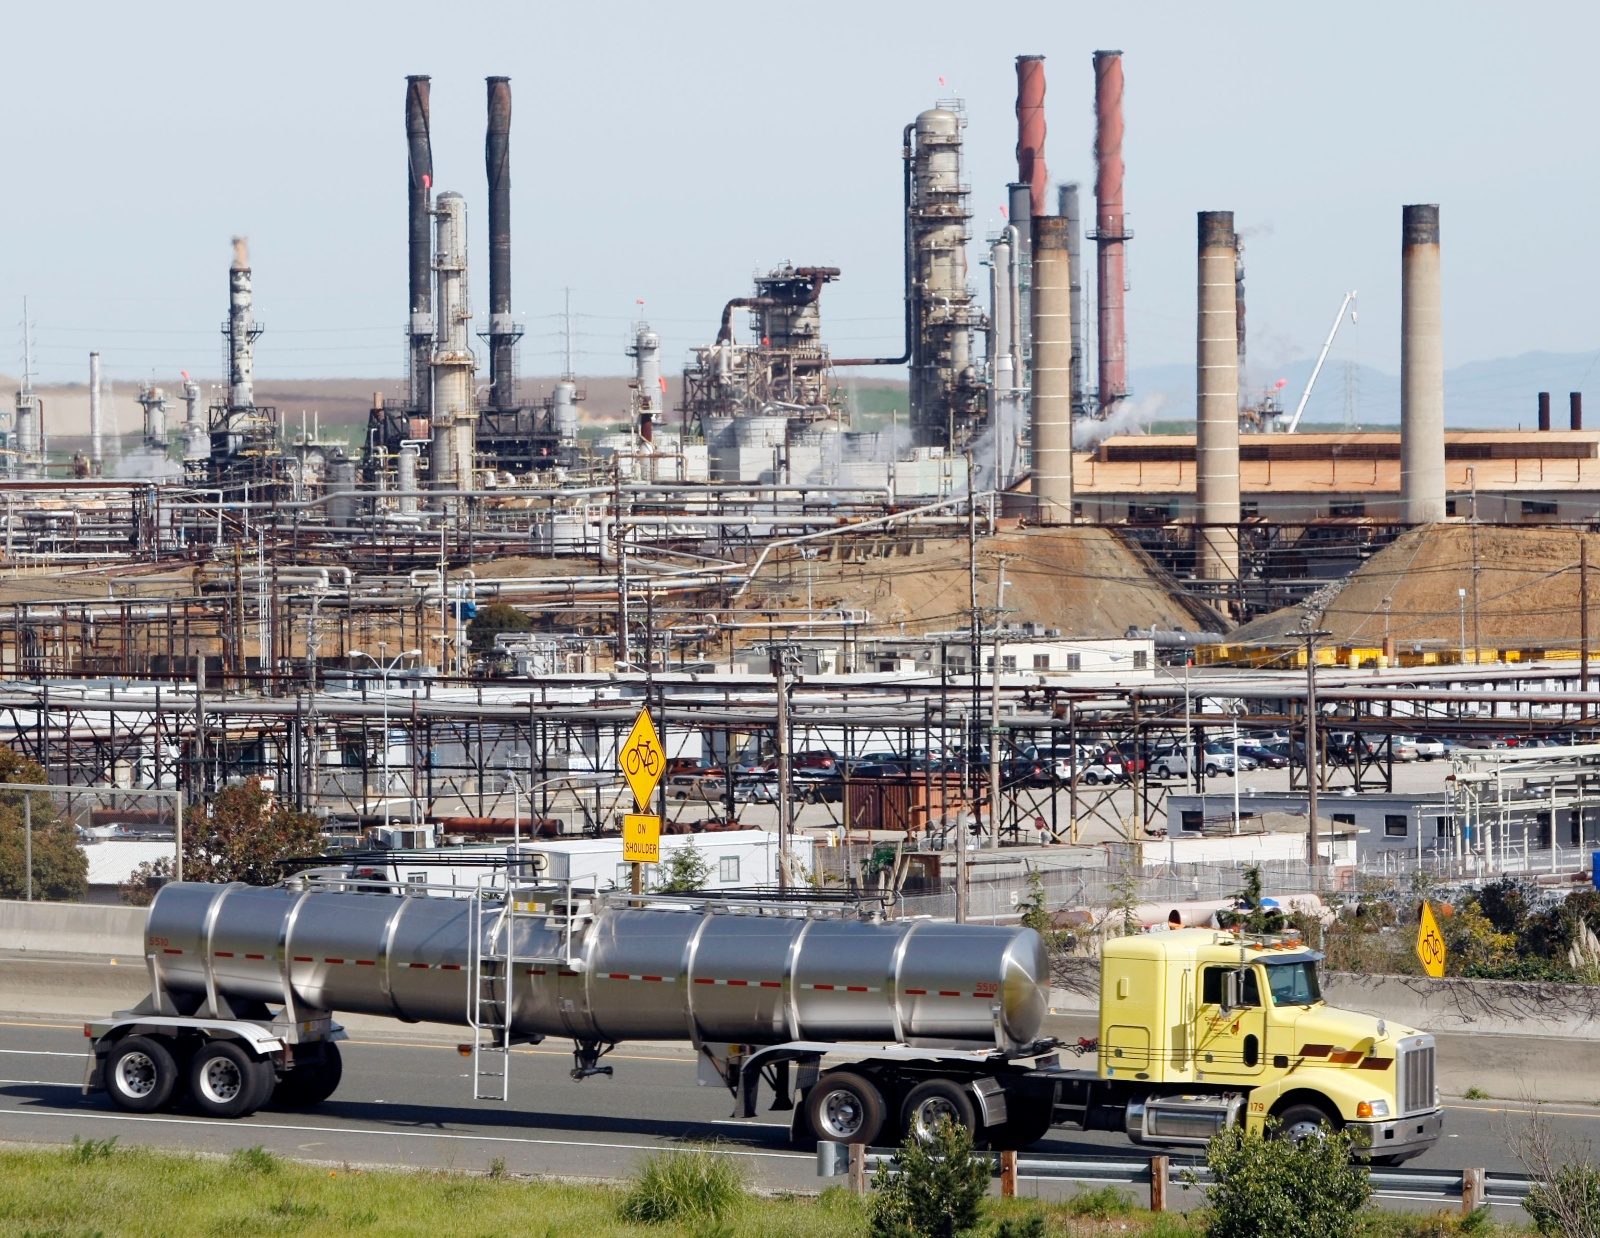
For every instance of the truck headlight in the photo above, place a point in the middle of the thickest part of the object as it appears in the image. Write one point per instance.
(1372, 1109)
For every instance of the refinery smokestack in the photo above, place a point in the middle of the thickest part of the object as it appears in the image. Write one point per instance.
(242, 330)
(1575, 408)
(503, 332)
(1031, 170)
(1052, 371)
(419, 191)
(1422, 478)
(1109, 233)
(1070, 211)
(1217, 391)
(95, 427)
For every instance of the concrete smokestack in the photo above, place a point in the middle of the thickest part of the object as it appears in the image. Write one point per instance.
(503, 332)
(96, 429)
(1422, 481)
(1071, 212)
(1110, 234)
(242, 330)
(1544, 412)
(419, 250)
(1217, 391)
(1031, 170)
(1575, 408)
(1052, 371)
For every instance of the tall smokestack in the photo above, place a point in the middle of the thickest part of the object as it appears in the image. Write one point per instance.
(1031, 170)
(1544, 412)
(1070, 211)
(1217, 391)
(1109, 233)
(1052, 371)
(419, 205)
(1422, 480)
(242, 330)
(95, 426)
(503, 332)
(1575, 408)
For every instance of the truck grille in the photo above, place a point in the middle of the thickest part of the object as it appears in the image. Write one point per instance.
(1416, 1079)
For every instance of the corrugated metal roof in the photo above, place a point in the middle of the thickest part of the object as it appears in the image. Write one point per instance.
(1332, 476)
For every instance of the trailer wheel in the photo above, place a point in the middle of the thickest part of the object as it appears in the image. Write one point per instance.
(311, 1083)
(845, 1107)
(937, 1100)
(140, 1074)
(226, 1082)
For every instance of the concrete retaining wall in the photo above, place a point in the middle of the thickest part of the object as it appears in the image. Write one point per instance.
(72, 928)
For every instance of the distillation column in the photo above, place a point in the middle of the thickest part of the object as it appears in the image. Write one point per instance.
(96, 430)
(454, 417)
(1052, 371)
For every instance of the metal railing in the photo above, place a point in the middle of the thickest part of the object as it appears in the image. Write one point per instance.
(1472, 1187)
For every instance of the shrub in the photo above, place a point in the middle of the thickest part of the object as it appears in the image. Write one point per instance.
(694, 1185)
(1030, 1226)
(256, 1160)
(1267, 1185)
(84, 1151)
(1102, 1204)
(683, 870)
(932, 1189)
(60, 869)
(1567, 1203)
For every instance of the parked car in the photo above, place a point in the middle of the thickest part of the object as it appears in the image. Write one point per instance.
(1220, 759)
(814, 758)
(886, 769)
(1107, 766)
(819, 786)
(708, 787)
(758, 790)
(1402, 749)
(1266, 758)
(1169, 761)
(1426, 747)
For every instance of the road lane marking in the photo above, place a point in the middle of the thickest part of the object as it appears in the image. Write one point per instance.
(236, 1124)
(42, 1053)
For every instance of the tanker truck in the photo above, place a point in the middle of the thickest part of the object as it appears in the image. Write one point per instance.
(864, 1028)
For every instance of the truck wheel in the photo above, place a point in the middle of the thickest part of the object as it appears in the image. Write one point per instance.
(936, 1101)
(140, 1074)
(845, 1107)
(310, 1084)
(1027, 1122)
(1301, 1122)
(226, 1082)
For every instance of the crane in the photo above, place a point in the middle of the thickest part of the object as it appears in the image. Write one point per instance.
(1294, 422)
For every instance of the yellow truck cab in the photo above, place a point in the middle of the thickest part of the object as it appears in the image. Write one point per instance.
(1201, 1028)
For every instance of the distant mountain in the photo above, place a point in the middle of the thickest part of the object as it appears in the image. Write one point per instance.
(1502, 393)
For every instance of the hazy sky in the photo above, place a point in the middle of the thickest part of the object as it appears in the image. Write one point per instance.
(664, 151)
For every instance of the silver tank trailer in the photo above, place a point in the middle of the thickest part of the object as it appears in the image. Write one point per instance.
(655, 973)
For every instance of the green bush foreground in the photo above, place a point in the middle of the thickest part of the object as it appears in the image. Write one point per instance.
(96, 1188)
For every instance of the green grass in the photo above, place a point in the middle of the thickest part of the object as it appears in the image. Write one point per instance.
(1475, 1093)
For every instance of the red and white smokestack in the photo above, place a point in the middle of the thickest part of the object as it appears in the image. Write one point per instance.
(1110, 232)
(1031, 170)
(1422, 477)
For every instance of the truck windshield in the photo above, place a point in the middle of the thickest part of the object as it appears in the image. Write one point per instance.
(1294, 984)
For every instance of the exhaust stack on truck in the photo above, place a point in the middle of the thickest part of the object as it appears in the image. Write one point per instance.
(864, 1028)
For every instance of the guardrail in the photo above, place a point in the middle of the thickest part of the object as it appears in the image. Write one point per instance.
(1473, 1187)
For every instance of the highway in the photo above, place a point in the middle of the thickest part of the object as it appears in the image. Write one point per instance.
(406, 1101)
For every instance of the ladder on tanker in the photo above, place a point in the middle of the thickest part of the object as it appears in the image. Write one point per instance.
(492, 963)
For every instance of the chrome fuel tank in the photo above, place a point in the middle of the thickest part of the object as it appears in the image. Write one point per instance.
(756, 975)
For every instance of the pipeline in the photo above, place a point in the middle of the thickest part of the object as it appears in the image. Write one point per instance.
(910, 268)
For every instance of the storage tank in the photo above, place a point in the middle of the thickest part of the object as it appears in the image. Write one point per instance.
(652, 973)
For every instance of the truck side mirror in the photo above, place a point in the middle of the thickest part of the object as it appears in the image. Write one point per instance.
(1232, 982)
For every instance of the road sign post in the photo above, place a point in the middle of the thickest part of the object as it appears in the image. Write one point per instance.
(1430, 944)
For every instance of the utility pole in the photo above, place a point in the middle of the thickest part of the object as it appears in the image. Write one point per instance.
(975, 653)
(994, 711)
(1313, 761)
(1583, 621)
(622, 567)
(780, 673)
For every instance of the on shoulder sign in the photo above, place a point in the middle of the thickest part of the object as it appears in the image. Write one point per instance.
(641, 839)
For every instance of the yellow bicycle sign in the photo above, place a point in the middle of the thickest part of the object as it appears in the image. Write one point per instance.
(1430, 943)
(642, 759)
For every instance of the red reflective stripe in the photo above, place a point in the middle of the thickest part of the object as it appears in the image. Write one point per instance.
(772, 984)
(822, 986)
(304, 958)
(702, 980)
(333, 960)
(420, 966)
(559, 973)
(535, 971)
(948, 993)
(739, 982)
(366, 963)
(917, 992)
(449, 966)
(224, 954)
(255, 956)
(617, 975)
(856, 988)
(171, 951)
(652, 977)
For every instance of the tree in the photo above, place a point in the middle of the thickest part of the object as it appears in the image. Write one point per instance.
(931, 1189)
(60, 869)
(493, 619)
(1270, 1185)
(238, 838)
(684, 869)
(1249, 914)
